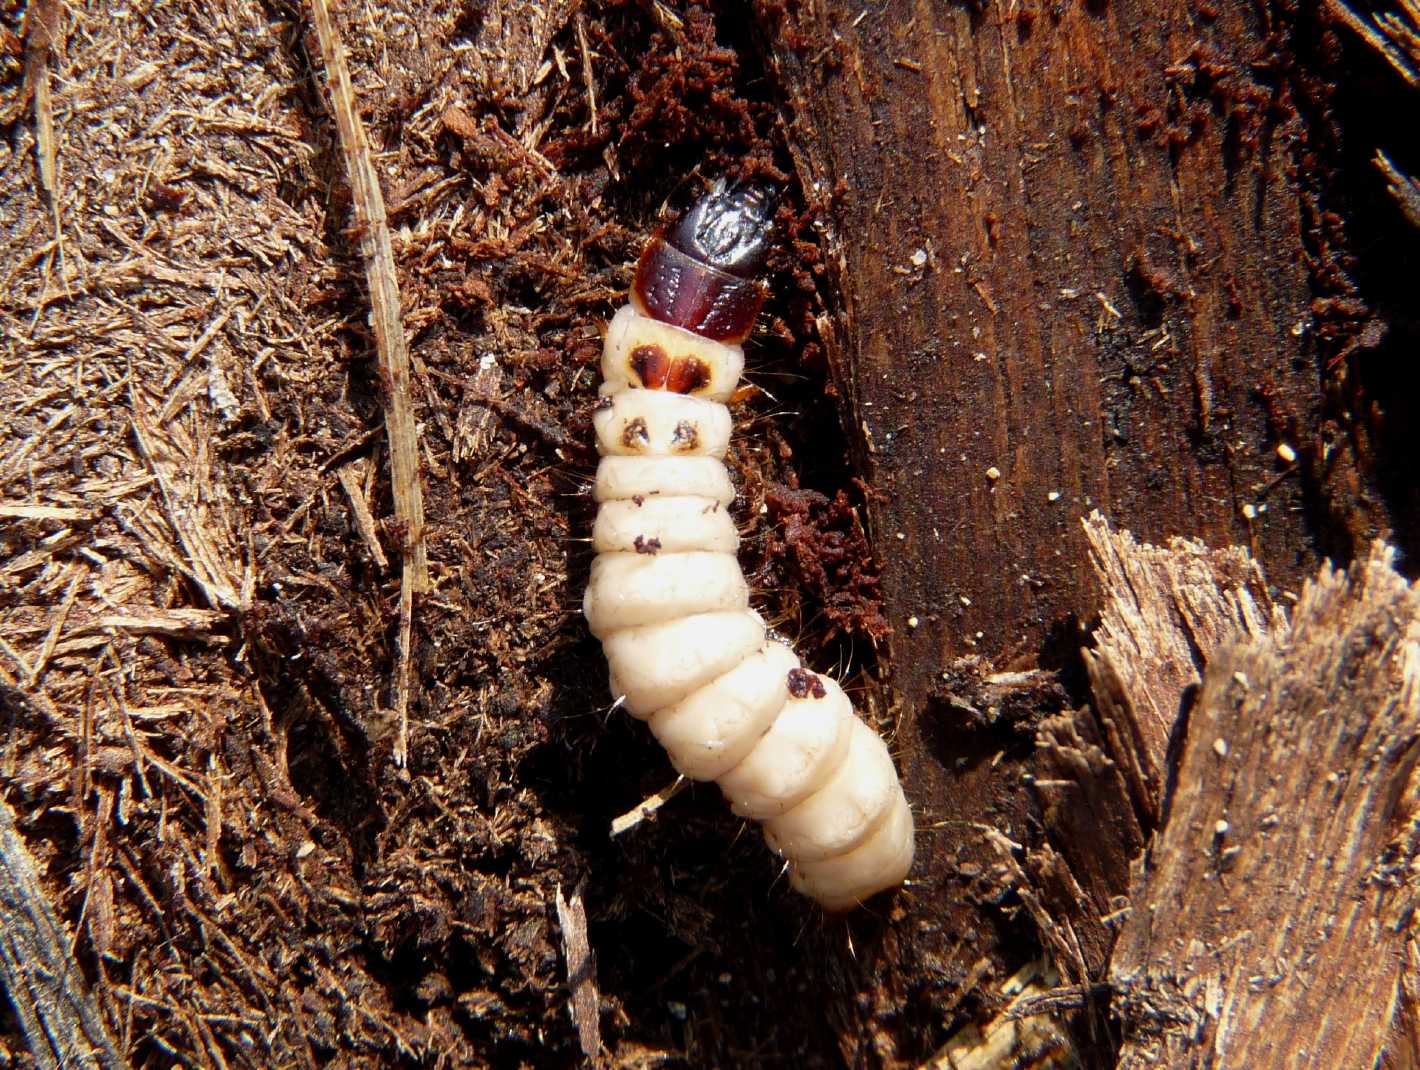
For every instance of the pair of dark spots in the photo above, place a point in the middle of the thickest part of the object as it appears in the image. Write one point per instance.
(657, 370)
(636, 436)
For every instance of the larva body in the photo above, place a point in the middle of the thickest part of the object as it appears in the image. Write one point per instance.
(687, 654)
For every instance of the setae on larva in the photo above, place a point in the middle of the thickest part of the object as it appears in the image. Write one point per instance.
(729, 702)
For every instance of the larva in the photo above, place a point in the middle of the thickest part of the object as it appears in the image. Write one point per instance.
(667, 598)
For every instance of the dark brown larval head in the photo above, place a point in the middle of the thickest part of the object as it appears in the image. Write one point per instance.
(703, 273)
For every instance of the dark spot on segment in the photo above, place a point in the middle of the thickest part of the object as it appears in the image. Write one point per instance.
(685, 437)
(687, 375)
(644, 545)
(639, 499)
(651, 366)
(634, 435)
(803, 683)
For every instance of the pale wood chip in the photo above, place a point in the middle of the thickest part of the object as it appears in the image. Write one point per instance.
(22, 511)
(581, 971)
(1167, 609)
(350, 477)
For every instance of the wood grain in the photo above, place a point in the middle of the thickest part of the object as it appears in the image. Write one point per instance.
(1069, 263)
(1166, 611)
(387, 322)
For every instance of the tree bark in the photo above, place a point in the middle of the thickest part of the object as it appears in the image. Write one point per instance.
(1167, 610)
(1067, 284)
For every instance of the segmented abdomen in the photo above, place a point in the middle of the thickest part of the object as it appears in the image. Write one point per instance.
(667, 598)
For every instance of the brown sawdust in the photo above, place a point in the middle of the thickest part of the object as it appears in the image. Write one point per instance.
(199, 569)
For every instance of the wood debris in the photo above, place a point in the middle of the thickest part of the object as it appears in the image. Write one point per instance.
(1269, 922)
(385, 317)
(1008, 1041)
(581, 971)
(1166, 610)
(200, 654)
(647, 807)
(351, 482)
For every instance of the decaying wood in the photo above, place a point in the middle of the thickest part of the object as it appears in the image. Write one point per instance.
(60, 1021)
(43, 33)
(197, 508)
(23, 511)
(1056, 294)
(1099, 772)
(69, 630)
(372, 227)
(349, 476)
(581, 971)
(1166, 610)
(1404, 188)
(1394, 34)
(1063, 286)
(199, 648)
(1270, 919)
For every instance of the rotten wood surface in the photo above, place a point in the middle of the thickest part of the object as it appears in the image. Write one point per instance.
(1270, 920)
(1065, 286)
(387, 321)
(1069, 246)
(1096, 776)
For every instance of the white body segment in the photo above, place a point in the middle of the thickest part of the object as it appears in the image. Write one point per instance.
(660, 424)
(671, 607)
(630, 478)
(711, 731)
(653, 587)
(671, 524)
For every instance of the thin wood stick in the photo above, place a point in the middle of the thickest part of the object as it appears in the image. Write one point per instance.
(58, 1017)
(1011, 1040)
(378, 254)
(588, 78)
(42, 28)
(364, 522)
(648, 806)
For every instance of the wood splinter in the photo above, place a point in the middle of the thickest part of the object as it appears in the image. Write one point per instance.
(372, 226)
